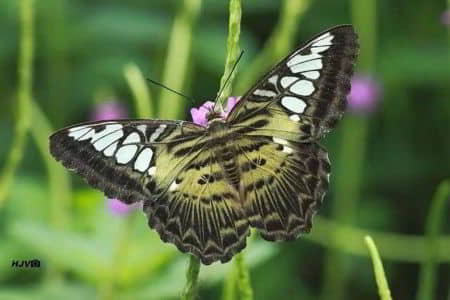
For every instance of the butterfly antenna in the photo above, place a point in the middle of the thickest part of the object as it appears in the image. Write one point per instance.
(172, 90)
(228, 78)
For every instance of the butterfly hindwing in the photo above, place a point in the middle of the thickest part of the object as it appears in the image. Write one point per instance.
(304, 96)
(127, 159)
(285, 183)
(202, 213)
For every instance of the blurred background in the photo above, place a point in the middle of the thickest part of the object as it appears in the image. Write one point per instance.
(390, 154)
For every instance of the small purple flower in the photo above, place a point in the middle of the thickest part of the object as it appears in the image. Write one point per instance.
(199, 114)
(118, 208)
(109, 110)
(445, 17)
(364, 94)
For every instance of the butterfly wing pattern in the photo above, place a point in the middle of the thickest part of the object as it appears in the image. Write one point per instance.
(202, 192)
(304, 96)
(127, 159)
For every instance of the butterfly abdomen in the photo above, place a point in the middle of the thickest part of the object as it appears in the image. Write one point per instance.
(227, 160)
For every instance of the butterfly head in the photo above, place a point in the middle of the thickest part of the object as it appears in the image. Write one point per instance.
(215, 114)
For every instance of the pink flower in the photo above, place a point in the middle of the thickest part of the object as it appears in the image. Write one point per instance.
(445, 17)
(199, 114)
(109, 110)
(364, 94)
(118, 208)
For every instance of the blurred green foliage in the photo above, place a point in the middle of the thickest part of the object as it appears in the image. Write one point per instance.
(387, 163)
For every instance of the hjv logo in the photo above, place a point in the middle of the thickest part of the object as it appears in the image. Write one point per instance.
(34, 263)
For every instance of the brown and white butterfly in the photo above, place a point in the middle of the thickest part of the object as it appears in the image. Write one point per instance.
(203, 187)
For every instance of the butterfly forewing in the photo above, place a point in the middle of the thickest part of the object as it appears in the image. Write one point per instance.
(128, 159)
(304, 96)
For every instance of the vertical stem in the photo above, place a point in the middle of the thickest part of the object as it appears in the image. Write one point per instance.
(190, 289)
(239, 275)
(243, 277)
(279, 43)
(25, 72)
(177, 59)
(234, 31)
(380, 277)
(351, 155)
(108, 288)
(229, 288)
(427, 276)
(139, 88)
(237, 284)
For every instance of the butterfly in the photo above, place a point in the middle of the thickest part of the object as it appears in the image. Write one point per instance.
(204, 187)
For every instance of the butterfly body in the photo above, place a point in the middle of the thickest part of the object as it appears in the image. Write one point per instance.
(204, 187)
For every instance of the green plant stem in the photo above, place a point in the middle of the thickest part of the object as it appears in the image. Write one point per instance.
(177, 60)
(190, 289)
(278, 45)
(229, 288)
(60, 191)
(237, 283)
(139, 88)
(380, 276)
(344, 208)
(351, 156)
(395, 247)
(25, 73)
(58, 179)
(108, 288)
(243, 278)
(234, 31)
(427, 276)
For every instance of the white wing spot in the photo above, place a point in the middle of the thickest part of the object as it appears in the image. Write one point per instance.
(173, 186)
(78, 133)
(287, 149)
(294, 104)
(105, 141)
(280, 141)
(302, 88)
(320, 49)
(94, 136)
(157, 132)
(132, 138)
(264, 93)
(143, 160)
(109, 151)
(321, 37)
(298, 59)
(152, 171)
(78, 128)
(126, 153)
(315, 64)
(273, 80)
(324, 42)
(142, 128)
(294, 118)
(311, 74)
(287, 81)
